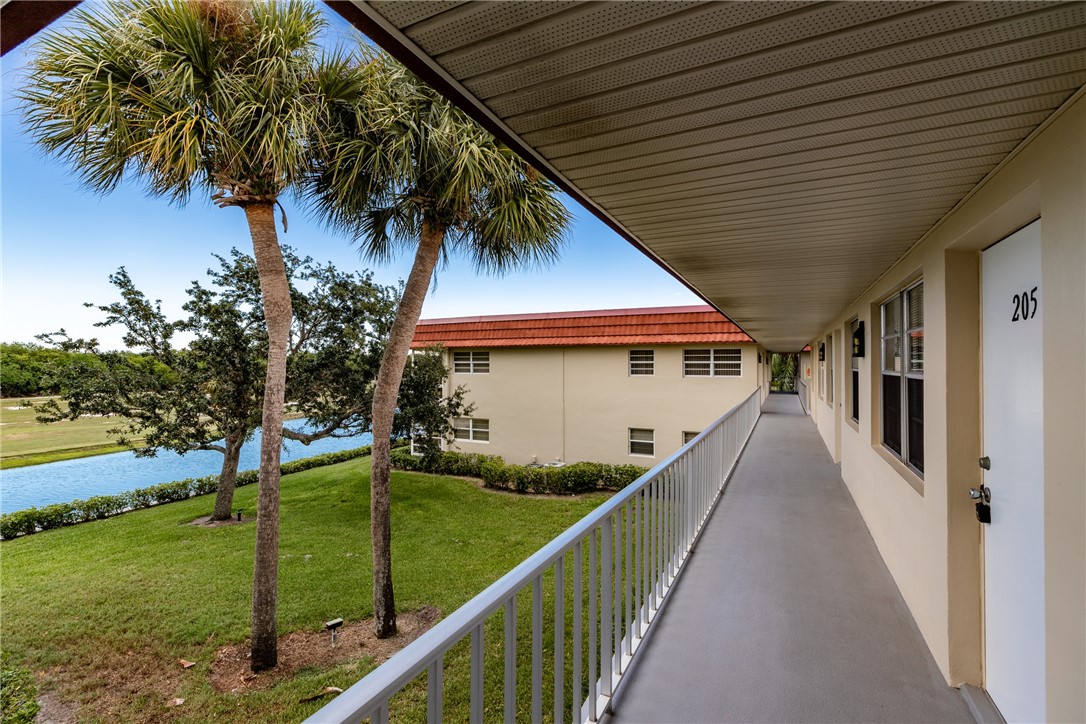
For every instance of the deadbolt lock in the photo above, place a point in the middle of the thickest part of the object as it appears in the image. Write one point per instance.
(983, 496)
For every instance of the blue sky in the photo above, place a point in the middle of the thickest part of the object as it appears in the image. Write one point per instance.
(60, 243)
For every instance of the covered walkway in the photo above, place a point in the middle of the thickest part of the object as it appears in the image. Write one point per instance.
(785, 612)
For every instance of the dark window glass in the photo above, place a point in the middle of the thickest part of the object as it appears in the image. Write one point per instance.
(915, 388)
(856, 395)
(891, 412)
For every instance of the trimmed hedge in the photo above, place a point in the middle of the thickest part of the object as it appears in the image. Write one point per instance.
(496, 473)
(32, 520)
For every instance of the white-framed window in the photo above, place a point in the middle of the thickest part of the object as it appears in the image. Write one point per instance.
(902, 336)
(829, 370)
(642, 362)
(822, 370)
(854, 375)
(726, 362)
(688, 436)
(471, 363)
(471, 429)
(642, 441)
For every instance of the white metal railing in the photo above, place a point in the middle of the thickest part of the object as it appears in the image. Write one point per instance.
(636, 543)
(804, 395)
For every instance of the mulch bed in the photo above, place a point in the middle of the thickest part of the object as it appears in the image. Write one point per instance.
(230, 668)
(206, 521)
(108, 687)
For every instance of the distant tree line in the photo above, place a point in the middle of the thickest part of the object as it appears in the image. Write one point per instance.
(24, 368)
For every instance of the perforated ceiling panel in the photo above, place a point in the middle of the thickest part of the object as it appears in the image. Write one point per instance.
(776, 156)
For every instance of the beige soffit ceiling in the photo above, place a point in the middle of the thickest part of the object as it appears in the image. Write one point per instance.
(776, 156)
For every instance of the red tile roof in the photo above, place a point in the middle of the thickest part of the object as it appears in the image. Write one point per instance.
(660, 325)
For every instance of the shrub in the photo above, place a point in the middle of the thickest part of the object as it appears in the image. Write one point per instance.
(496, 473)
(441, 463)
(55, 516)
(22, 522)
(18, 694)
(171, 492)
(493, 472)
(402, 459)
(141, 498)
(206, 484)
(98, 507)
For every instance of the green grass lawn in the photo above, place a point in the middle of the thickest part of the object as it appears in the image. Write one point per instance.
(84, 605)
(25, 441)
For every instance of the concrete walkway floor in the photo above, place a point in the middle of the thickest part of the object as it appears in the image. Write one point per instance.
(786, 612)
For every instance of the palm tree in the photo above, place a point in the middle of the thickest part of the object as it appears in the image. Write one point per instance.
(410, 170)
(783, 372)
(214, 97)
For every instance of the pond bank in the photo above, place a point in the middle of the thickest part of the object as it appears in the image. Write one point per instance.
(67, 480)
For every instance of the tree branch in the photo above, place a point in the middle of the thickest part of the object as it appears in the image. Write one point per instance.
(327, 431)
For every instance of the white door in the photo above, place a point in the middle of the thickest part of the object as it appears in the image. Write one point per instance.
(1012, 308)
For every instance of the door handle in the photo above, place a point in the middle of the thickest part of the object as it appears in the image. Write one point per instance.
(983, 494)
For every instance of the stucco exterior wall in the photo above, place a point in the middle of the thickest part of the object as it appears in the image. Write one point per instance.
(925, 528)
(578, 403)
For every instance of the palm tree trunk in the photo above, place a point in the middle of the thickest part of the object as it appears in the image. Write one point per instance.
(224, 497)
(275, 292)
(384, 410)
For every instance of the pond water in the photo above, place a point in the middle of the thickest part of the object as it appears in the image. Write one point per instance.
(67, 480)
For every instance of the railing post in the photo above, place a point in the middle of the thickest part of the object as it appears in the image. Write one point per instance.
(692, 470)
(618, 600)
(477, 675)
(559, 638)
(657, 540)
(630, 586)
(606, 662)
(511, 660)
(638, 582)
(672, 479)
(537, 650)
(592, 652)
(578, 597)
(435, 692)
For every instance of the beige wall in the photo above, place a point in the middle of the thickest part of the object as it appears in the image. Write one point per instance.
(578, 403)
(925, 528)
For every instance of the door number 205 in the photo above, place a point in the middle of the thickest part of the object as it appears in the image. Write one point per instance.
(1025, 306)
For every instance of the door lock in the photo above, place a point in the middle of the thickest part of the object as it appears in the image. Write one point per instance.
(983, 496)
(985, 462)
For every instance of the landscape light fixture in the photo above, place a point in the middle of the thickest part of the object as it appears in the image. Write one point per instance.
(858, 340)
(332, 626)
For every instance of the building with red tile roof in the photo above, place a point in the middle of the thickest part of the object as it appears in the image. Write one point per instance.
(613, 385)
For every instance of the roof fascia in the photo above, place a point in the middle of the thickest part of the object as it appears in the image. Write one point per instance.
(20, 19)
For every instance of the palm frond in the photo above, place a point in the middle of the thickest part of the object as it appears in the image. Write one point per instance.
(408, 157)
(181, 95)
